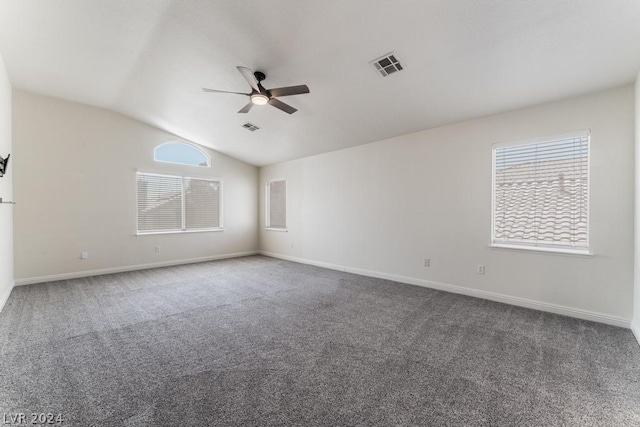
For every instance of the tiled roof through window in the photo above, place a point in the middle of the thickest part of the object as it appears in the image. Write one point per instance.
(543, 202)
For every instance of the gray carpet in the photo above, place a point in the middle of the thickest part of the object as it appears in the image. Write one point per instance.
(258, 341)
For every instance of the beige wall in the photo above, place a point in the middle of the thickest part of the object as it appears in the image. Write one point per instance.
(636, 298)
(6, 189)
(75, 169)
(383, 207)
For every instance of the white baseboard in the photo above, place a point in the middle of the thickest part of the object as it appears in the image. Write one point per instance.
(507, 299)
(635, 328)
(4, 297)
(88, 273)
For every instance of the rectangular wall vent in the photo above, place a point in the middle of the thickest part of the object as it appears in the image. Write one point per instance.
(387, 64)
(250, 126)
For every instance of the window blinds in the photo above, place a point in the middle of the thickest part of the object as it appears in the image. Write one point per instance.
(173, 203)
(277, 207)
(159, 203)
(541, 193)
(202, 204)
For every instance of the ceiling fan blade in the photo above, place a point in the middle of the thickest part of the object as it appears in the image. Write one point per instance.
(249, 77)
(246, 108)
(204, 89)
(282, 106)
(289, 90)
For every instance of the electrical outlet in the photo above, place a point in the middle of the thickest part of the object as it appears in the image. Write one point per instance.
(84, 255)
(427, 262)
(157, 249)
(480, 269)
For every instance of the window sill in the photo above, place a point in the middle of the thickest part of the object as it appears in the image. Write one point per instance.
(276, 229)
(543, 249)
(150, 233)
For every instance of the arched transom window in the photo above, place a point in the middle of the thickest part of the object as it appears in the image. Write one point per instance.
(181, 153)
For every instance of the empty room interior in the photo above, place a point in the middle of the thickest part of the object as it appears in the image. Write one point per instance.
(320, 213)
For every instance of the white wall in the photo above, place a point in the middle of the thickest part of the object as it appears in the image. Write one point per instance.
(6, 189)
(383, 207)
(635, 326)
(74, 171)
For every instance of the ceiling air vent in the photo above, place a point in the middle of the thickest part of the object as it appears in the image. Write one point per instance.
(250, 126)
(387, 64)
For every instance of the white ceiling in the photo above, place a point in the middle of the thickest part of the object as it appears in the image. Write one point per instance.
(149, 59)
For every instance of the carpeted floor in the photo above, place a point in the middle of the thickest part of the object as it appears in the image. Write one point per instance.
(258, 341)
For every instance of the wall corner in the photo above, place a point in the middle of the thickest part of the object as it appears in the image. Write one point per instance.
(635, 323)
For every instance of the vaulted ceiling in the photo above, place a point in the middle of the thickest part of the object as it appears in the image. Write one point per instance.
(149, 59)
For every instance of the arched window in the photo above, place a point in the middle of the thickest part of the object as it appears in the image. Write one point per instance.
(181, 153)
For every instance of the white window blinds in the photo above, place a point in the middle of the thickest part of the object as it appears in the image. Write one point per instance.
(277, 204)
(169, 203)
(202, 204)
(159, 203)
(540, 193)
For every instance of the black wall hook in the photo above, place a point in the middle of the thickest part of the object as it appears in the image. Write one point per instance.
(3, 165)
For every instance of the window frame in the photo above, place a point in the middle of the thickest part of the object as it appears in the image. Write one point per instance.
(207, 156)
(183, 209)
(267, 197)
(542, 247)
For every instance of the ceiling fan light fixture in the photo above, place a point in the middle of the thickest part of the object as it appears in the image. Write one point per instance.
(259, 99)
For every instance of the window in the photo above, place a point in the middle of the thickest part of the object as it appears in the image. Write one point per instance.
(276, 197)
(181, 153)
(541, 194)
(169, 203)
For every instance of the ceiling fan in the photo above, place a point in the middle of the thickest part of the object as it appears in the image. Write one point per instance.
(261, 96)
